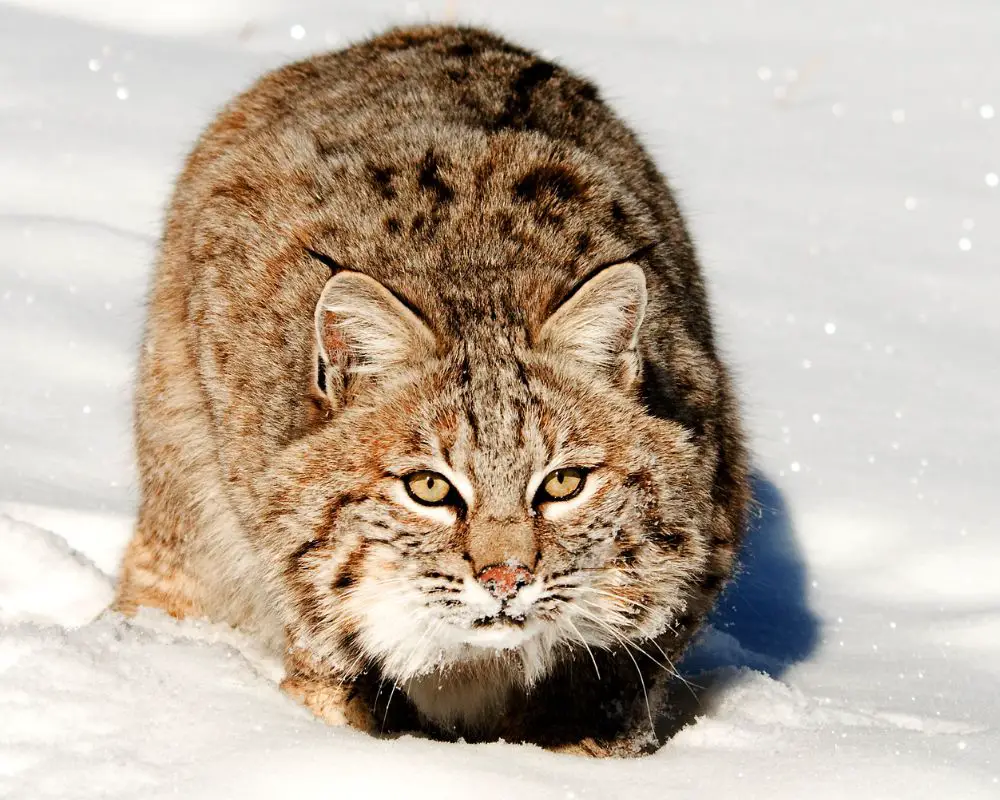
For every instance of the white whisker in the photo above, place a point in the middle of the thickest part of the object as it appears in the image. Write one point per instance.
(671, 669)
(568, 621)
(621, 640)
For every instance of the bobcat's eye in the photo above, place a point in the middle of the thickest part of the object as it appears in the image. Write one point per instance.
(561, 484)
(428, 488)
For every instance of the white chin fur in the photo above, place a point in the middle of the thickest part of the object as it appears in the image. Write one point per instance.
(500, 636)
(410, 639)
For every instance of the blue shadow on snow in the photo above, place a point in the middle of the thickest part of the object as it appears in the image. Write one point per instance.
(765, 609)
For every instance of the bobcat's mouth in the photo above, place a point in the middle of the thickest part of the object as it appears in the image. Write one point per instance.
(498, 621)
(500, 632)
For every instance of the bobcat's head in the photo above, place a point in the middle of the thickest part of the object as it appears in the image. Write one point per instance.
(495, 500)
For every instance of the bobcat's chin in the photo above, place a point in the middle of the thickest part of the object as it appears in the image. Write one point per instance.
(512, 638)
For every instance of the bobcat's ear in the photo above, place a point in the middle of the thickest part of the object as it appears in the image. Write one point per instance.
(364, 332)
(598, 325)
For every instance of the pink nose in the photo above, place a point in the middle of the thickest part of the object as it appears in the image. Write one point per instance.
(503, 580)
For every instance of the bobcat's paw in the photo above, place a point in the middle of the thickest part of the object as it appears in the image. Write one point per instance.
(625, 747)
(334, 703)
(585, 747)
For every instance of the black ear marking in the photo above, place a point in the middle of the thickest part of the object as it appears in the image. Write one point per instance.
(634, 256)
(321, 374)
(333, 266)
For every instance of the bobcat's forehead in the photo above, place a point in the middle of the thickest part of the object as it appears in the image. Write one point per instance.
(479, 227)
(488, 422)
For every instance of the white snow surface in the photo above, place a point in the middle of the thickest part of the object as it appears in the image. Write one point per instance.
(838, 162)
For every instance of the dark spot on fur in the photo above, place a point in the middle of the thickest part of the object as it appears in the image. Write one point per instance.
(344, 581)
(587, 91)
(418, 223)
(463, 50)
(505, 224)
(333, 511)
(618, 212)
(429, 179)
(582, 243)
(381, 180)
(640, 479)
(518, 105)
(522, 373)
(532, 76)
(464, 373)
(669, 538)
(350, 570)
(580, 98)
(302, 550)
(552, 180)
(393, 225)
(711, 583)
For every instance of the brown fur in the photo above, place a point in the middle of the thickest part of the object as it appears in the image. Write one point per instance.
(484, 189)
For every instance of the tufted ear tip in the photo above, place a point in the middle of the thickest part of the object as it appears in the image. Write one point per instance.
(364, 331)
(598, 325)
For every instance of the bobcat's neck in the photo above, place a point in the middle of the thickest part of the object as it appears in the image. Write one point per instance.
(473, 700)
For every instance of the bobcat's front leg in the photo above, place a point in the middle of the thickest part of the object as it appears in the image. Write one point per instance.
(331, 697)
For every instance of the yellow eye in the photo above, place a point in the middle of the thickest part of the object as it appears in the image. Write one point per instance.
(428, 488)
(562, 484)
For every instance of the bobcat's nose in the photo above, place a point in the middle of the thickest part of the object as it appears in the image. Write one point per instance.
(503, 580)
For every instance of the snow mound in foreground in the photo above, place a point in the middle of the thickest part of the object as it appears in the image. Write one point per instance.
(43, 580)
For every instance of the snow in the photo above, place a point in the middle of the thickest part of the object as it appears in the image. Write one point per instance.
(42, 580)
(838, 162)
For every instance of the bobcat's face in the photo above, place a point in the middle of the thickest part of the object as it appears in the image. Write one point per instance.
(499, 503)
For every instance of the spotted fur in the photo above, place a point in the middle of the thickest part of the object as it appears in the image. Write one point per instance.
(381, 260)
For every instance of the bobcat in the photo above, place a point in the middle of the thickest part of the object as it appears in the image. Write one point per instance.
(428, 401)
